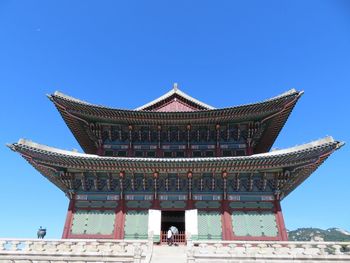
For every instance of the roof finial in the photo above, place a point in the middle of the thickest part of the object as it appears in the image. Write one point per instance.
(175, 86)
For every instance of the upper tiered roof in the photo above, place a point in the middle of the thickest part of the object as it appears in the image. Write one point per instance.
(176, 108)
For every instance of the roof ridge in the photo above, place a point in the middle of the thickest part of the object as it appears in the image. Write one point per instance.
(175, 90)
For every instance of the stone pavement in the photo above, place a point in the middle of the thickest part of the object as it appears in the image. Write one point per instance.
(166, 254)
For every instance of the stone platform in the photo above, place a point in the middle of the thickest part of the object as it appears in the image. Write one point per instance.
(144, 251)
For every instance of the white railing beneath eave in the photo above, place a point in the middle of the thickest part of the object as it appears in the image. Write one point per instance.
(71, 250)
(266, 251)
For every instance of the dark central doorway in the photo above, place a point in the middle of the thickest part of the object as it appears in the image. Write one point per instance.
(173, 218)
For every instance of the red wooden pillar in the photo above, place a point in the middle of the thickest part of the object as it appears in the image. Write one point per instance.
(190, 202)
(130, 148)
(226, 221)
(217, 145)
(159, 141)
(156, 202)
(100, 150)
(280, 222)
(250, 150)
(119, 220)
(188, 145)
(69, 218)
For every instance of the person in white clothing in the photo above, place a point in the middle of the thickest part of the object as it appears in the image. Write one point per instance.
(170, 237)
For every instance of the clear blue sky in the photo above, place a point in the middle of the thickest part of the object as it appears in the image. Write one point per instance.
(126, 53)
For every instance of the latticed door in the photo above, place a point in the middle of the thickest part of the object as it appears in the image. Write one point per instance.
(93, 222)
(209, 225)
(255, 224)
(136, 225)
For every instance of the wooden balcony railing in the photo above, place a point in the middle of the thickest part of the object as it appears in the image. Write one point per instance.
(178, 239)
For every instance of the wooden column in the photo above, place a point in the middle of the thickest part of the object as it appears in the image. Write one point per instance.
(188, 145)
(217, 145)
(227, 229)
(190, 203)
(69, 218)
(159, 141)
(130, 146)
(120, 210)
(119, 220)
(250, 142)
(100, 150)
(280, 221)
(155, 203)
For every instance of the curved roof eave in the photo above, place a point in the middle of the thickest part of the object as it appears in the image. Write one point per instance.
(47, 150)
(302, 160)
(137, 111)
(78, 114)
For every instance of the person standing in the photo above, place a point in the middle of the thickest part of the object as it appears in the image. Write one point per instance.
(170, 237)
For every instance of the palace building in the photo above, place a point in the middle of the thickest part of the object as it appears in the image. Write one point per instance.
(176, 161)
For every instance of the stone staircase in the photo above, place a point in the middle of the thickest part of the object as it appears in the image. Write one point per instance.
(167, 254)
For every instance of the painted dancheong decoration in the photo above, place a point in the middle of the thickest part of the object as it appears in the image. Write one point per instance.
(176, 161)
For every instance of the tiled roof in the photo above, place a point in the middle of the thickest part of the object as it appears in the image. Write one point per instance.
(293, 154)
(300, 160)
(77, 114)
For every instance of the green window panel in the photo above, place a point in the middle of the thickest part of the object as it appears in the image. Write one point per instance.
(209, 225)
(268, 220)
(80, 219)
(101, 222)
(254, 224)
(93, 222)
(136, 225)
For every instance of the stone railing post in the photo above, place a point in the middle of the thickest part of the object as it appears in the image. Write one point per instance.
(347, 249)
(336, 249)
(189, 240)
(190, 252)
(137, 253)
(150, 238)
(321, 249)
(14, 245)
(2, 245)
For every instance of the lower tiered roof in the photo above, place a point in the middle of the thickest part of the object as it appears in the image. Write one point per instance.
(299, 161)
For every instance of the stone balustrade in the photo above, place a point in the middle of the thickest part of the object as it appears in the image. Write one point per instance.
(74, 250)
(262, 252)
(120, 251)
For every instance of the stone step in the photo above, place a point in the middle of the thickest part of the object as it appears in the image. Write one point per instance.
(169, 254)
